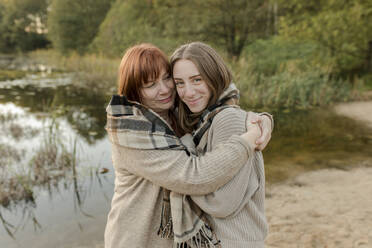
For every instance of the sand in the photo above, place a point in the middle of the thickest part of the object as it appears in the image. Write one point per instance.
(324, 208)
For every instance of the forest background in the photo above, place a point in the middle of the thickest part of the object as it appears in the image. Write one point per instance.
(288, 54)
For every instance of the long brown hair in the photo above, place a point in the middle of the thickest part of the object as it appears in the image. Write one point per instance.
(212, 69)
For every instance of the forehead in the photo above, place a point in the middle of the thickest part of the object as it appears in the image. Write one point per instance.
(185, 68)
(157, 74)
(154, 72)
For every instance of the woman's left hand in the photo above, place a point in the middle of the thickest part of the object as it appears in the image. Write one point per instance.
(265, 125)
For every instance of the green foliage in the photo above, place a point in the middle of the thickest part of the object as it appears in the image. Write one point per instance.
(131, 22)
(276, 74)
(73, 24)
(11, 74)
(289, 91)
(230, 25)
(342, 27)
(367, 80)
(22, 25)
(276, 55)
(227, 24)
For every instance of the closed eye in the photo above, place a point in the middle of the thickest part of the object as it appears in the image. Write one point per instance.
(167, 77)
(179, 84)
(149, 85)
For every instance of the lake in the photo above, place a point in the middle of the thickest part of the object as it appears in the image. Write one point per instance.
(56, 174)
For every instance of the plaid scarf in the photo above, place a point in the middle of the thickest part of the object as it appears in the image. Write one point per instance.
(132, 125)
(188, 224)
(208, 114)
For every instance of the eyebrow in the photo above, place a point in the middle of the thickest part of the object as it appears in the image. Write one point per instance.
(198, 75)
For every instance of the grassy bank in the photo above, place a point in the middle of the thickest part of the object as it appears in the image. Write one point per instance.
(11, 74)
(271, 74)
(92, 71)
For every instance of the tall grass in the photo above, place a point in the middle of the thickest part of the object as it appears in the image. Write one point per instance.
(291, 91)
(92, 71)
(277, 74)
(53, 159)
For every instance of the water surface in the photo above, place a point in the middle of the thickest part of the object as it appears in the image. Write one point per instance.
(66, 198)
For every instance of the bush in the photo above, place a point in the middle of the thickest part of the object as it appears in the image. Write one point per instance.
(276, 73)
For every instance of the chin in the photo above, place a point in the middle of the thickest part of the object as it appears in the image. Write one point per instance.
(196, 110)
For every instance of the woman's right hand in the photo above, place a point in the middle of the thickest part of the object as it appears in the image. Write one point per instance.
(252, 134)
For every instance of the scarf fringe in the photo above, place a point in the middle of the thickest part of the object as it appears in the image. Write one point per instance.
(166, 225)
(202, 239)
(166, 231)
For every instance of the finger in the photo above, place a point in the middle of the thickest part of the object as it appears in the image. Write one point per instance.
(260, 140)
(254, 119)
(259, 148)
(257, 119)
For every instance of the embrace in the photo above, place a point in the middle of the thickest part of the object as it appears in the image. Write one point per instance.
(189, 170)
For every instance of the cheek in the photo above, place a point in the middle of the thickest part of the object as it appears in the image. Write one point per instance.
(207, 91)
(170, 84)
(180, 92)
(147, 95)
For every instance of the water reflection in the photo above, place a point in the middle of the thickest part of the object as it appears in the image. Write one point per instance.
(315, 139)
(85, 111)
(51, 145)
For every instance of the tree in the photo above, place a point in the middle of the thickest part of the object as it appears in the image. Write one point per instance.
(232, 24)
(73, 24)
(135, 21)
(22, 25)
(343, 27)
(227, 24)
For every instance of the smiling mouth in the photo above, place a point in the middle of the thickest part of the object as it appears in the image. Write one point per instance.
(166, 100)
(193, 102)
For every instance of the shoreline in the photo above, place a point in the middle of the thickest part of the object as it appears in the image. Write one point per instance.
(327, 207)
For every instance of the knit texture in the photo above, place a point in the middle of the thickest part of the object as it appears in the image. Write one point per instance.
(236, 209)
(135, 212)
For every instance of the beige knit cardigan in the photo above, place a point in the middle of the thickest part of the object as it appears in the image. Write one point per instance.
(134, 217)
(236, 209)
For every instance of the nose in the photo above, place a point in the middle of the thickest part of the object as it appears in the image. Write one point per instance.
(164, 87)
(189, 91)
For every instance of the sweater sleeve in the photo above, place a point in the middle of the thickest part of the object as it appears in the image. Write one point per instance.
(227, 199)
(183, 173)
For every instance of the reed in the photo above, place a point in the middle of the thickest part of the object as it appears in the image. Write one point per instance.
(290, 88)
(11, 74)
(93, 71)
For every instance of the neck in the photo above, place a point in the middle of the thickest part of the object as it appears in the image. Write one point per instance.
(165, 116)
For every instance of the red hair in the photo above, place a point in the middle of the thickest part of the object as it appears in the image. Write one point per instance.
(140, 64)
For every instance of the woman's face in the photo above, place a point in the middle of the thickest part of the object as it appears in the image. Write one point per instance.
(191, 87)
(159, 94)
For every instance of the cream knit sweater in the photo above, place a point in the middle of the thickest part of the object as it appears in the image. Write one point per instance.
(237, 208)
(135, 212)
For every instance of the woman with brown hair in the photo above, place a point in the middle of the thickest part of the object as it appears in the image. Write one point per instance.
(149, 157)
(208, 107)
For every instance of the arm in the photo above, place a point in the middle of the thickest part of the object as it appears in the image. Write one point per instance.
(179, 172)
(227, 199)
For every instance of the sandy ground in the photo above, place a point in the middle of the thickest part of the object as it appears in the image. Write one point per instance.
(325, 208)
(361, 111)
